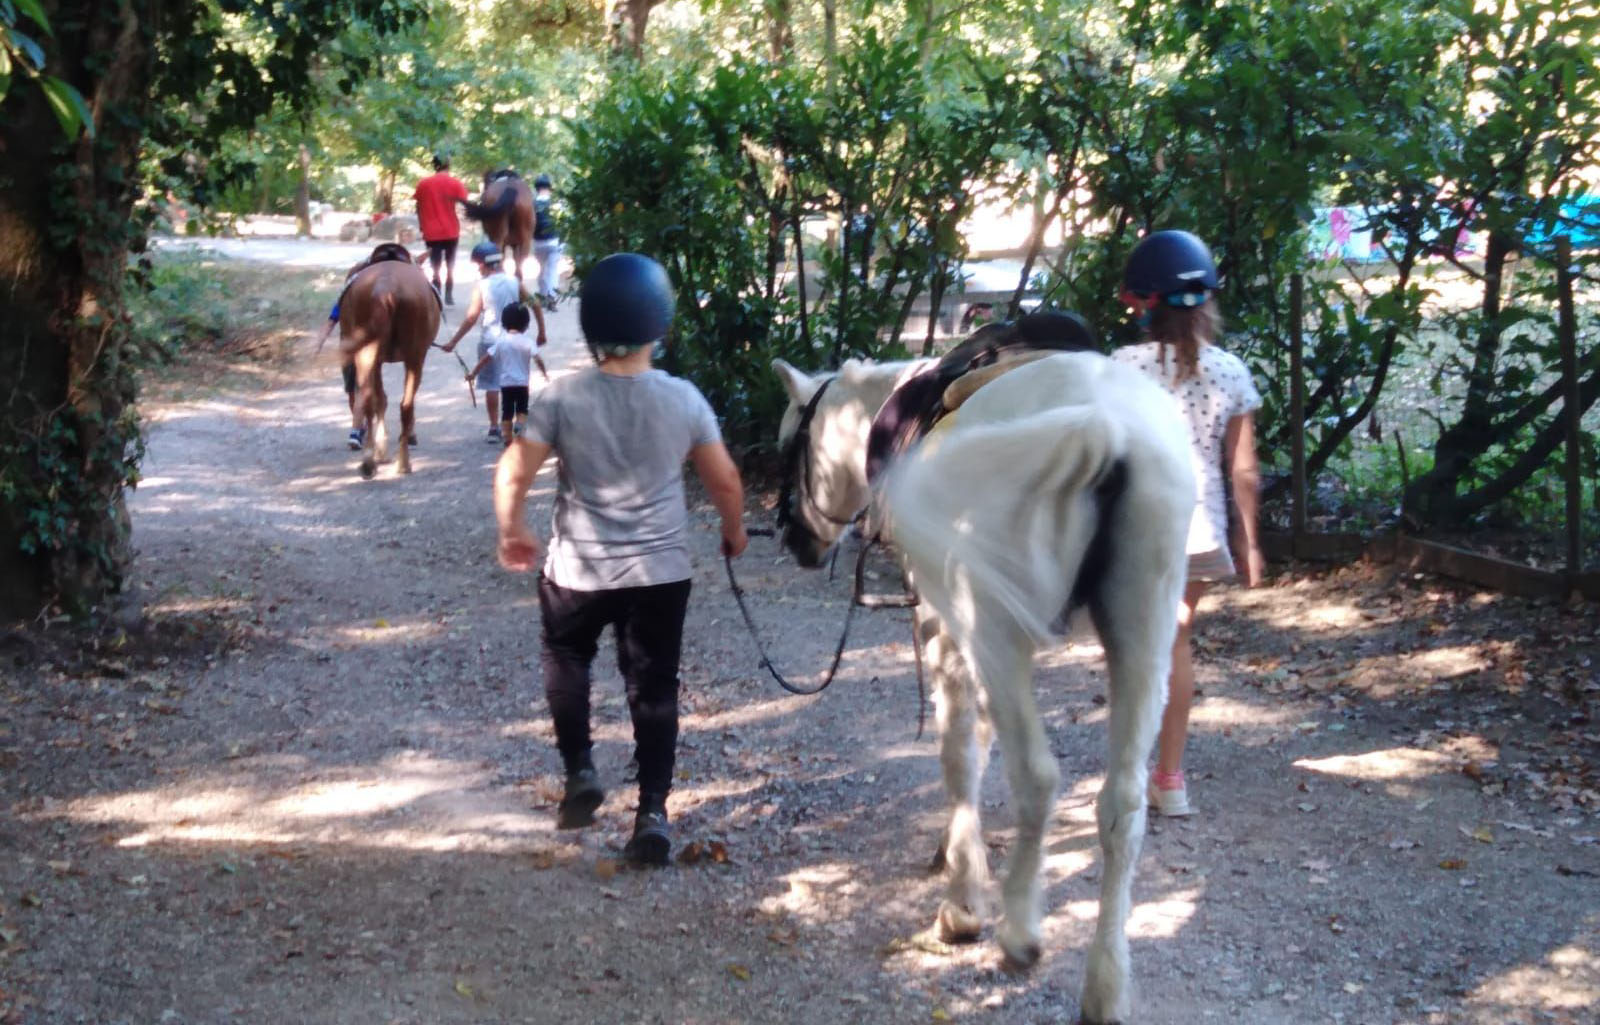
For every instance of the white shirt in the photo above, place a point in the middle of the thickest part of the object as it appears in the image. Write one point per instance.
(1220, 390)
(512, 353)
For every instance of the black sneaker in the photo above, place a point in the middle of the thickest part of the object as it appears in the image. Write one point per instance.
(578, 804)
(652, 839)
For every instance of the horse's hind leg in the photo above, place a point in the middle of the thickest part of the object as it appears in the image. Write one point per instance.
(408, 404)
(368, 384)
(380, 414)
(964, 737)
(1001, 655)
(1136, 618)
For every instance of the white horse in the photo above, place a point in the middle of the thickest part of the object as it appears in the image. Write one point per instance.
(1063, 483)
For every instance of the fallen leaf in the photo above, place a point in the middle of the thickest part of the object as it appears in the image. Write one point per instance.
(1453, 864)
(464, 990)
(940, 1014)
(382, 624)
(740, 972)
(606, 868)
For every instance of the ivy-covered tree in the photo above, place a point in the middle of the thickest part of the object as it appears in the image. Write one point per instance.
(173, 73)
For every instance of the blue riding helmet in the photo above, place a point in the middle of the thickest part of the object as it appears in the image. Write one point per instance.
(1173, 264)
(542, 182)
(625, 304)
(488, 252)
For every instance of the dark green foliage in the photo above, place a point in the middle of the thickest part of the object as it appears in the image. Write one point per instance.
(727, 176)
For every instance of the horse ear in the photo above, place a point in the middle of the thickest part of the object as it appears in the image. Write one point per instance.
(797, 383)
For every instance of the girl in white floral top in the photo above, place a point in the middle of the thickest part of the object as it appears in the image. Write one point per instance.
(1170, 285)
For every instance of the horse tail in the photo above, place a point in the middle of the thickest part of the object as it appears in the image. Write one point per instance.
(1002, 515)
(484, 211)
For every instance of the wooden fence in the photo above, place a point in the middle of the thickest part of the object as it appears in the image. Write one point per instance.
(1430, 556)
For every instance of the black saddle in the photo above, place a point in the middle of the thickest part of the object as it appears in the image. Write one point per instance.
(912, 409)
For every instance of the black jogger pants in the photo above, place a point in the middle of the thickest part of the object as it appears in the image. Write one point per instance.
(648, 624)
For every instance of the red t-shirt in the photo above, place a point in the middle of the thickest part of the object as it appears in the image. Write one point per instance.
(436, 208)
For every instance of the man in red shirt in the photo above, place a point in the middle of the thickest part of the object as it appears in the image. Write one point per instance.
(436, 214)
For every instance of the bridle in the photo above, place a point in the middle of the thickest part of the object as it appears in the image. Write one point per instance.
(797, 475)
(797, 472)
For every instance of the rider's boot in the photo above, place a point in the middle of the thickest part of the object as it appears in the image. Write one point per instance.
(583, 795)
(652, 838)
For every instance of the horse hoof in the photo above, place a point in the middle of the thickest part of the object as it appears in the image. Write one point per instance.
(369, 466)
(957, 924)
(1019, 961)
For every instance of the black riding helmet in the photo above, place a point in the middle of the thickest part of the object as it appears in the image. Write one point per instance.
(542, 182)
(1174, 265)
(488, 252)
(625, 304)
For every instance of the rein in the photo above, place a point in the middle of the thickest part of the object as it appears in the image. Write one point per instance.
(797, 476)
(471, 391)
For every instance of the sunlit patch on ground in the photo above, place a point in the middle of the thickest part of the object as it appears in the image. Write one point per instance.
(1390, 765)
(359, 810)
(1567, 980)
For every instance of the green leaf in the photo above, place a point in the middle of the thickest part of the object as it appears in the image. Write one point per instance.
(67, 105)
(35, 11)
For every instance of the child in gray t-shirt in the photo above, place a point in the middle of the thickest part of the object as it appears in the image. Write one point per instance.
(619, 551)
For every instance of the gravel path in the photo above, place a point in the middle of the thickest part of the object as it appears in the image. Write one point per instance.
(317, 786)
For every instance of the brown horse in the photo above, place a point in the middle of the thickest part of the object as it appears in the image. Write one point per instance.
(505, 209)
(389, 314)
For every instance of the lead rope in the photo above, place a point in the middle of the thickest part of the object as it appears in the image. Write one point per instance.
(908, 599)
(761, 647)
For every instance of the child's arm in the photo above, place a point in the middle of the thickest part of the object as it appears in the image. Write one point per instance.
(474, 311)
(477, 368)
(1245, 475)
(513, 475)
(721, 479)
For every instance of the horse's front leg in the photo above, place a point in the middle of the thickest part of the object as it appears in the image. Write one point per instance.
(408, 403)
(1001, 655)
(964, 741)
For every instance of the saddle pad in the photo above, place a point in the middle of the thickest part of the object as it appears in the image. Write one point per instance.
(920, 400)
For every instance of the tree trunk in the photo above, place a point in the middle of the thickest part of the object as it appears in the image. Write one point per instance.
(384, 201)
(1433, 496)
(780, 30)
(69, 436)
(302, 194)
(629, 19)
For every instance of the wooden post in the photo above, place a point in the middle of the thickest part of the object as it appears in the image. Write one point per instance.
(1567, 330)
(1297, 412)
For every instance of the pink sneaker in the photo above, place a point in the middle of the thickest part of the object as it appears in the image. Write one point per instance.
(1169, 800)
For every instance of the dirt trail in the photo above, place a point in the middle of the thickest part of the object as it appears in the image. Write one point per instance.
(319, 787)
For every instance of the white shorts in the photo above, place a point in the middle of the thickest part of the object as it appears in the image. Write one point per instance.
(488, 379)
